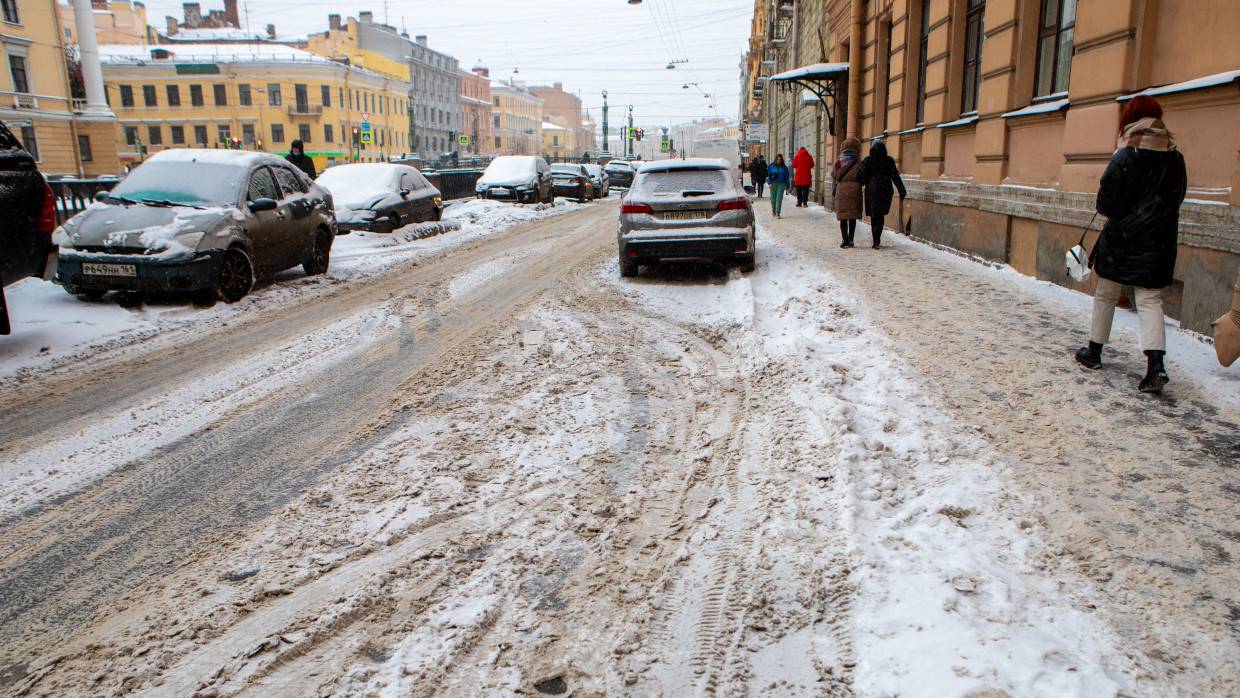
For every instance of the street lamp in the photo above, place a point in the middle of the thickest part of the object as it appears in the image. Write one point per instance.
(635, 2)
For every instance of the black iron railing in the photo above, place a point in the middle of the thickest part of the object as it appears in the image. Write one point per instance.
(454, 184)
(74, 195)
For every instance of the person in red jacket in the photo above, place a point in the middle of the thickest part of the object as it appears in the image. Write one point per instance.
(803, 168)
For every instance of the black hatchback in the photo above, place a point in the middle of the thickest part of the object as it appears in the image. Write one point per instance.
(29, 218)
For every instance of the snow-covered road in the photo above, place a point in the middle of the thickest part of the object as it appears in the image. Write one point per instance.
(503, 469)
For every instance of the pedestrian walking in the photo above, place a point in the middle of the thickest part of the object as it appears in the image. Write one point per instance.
(803, 166)
(780, 179)
(1140, 194)
(297, 156)
(846, 189)
(878, 174)
(757, 174)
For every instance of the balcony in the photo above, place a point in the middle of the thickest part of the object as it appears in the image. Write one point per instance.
(24, 101)
(305, 110)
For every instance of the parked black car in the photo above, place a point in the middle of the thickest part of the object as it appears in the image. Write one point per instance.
(525, 179)
(573, 181)
(29, 218)
(207, 222)
(621, 173)
(380, 197)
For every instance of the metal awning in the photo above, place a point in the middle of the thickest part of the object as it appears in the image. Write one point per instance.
(820, 79)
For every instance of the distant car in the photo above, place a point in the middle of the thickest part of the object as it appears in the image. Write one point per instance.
(28, 221)
(602, 182)
(685, 209)
(522, 178)
(572, 181)
(380, 197)
(620, 173)
(206, 222)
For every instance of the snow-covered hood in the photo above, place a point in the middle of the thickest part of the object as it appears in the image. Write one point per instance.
(510, 171)
(160, 230)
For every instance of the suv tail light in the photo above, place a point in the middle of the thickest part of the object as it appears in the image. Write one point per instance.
(635, 208)
(733, 204)
(47, 217)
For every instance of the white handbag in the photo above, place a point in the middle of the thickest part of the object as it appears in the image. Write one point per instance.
(1077, 258)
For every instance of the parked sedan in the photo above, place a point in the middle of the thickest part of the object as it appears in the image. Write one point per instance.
(685, 209)
(28, 221)
(602, 182)
(522, 178)
(572, 181)
(206, 222)
(621, 173)
(380, 197)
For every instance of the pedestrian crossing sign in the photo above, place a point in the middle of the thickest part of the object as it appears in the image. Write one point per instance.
(665, 146)
(366, 138)
(633, 136)
(462, 140)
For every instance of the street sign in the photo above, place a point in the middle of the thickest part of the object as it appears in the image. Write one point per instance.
(758, 133)
(365, 127)
(462, 140)
(665, 146)
(366, 138)
(633, 134)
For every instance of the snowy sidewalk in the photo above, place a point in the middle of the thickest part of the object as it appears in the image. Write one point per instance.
(1137, 493)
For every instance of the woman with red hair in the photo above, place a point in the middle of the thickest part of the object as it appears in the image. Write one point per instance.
(1140, 194)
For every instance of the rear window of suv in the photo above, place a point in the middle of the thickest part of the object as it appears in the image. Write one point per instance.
(677, 182)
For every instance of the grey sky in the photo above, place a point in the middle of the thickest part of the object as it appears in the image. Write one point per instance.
(589, 45)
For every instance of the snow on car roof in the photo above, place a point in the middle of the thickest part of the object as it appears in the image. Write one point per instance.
(687, 164)
(240, 158)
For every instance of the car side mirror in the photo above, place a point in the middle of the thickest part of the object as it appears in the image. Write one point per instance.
(404, 193)
(102, 195)
(263, 204)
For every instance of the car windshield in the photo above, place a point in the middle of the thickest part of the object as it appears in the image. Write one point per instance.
(682, 183)
(187, 183)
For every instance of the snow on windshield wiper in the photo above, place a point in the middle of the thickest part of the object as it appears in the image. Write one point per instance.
(166, 202)
(121, 199)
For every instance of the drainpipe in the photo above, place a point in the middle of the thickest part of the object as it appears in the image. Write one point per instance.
(855, 49)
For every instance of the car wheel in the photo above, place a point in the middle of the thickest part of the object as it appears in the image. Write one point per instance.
(747, 263)
(320, 257)
(437, 214)
(91, 294)
(236, 275)
(394, 221)
(628, 267)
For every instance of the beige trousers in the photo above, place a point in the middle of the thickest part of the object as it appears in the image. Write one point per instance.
(1149, 313)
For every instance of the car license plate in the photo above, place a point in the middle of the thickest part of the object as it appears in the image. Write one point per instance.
(109, 269)
(683, 215)
(499, 191)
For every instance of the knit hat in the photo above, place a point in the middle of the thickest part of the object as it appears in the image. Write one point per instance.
(1227, 332)
(852, 144)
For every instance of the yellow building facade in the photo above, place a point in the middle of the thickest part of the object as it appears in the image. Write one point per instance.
(37, 99)
(252, 96)
(124, 22)
(517, 118)
(559, 143)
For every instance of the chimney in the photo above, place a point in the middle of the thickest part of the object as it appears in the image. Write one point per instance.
(230, 14)
(333, 22)
(171, 25)
(421, 39)
(271, 31)
(482, 71)
(559, 86)
(193, 13)
(366, 17)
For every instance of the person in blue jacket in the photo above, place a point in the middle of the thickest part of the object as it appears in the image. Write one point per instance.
(780, 178)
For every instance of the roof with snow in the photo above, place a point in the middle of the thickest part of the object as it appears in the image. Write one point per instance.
(548, 126)
(1201, 83)
(817, 71)
(212, 53)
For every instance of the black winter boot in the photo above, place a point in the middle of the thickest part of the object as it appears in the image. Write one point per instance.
(1156, 374)
(1091, 356)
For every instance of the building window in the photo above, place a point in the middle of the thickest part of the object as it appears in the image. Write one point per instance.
(200, 135)
(195, 95)
(131, 135)
(84, 149)
(247, 134)
(974, 33)
(273, 95)
(221, 95)
(1055, 37)
(224, 133)
(495, 117)
(154, 135)
(178, 135)
(174, 95)
(497, 142)
(30, 141)
(277, 133)
(327, 95)
(302, 98)
(10, 11)
(148, 96)
(340, 96)
(126, 92)
(923, 56)
(303, 133)
(328, 136)
(244, 98)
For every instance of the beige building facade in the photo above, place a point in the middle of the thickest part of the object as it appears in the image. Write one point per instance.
(564, 109)
(1003, 115)
(516, 120)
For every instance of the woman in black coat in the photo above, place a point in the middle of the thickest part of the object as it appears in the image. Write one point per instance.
(878, 174)
(1140, 194)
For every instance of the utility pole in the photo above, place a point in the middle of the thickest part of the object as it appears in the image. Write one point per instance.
(606, 144)
(628, 135)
